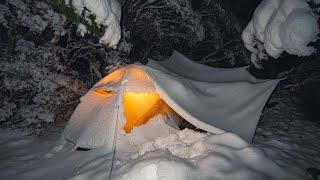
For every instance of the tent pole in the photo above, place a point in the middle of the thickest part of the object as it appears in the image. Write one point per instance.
(115, 133)
(114, 145)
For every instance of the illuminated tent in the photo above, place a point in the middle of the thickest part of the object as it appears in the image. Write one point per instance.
(211, 99)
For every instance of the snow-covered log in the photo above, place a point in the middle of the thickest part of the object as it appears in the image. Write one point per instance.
(281, 25)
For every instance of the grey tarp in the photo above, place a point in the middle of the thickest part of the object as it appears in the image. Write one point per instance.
(230, 99)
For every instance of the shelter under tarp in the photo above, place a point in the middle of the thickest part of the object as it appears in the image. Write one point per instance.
(212, 99)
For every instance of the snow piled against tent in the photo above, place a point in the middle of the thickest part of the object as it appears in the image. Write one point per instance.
(277, 26)
(107, 13)
(188, 154)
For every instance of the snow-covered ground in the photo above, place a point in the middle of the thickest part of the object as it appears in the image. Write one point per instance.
(184, 154)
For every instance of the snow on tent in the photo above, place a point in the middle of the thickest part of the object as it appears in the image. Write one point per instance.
(211, 99)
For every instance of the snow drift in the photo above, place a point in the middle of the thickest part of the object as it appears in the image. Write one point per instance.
(212, 99)
(107, 13)
(180, 155)
(281, 25)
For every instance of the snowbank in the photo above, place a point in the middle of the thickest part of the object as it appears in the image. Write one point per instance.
(277, 26)
(188, 154)
(180, 155)
(107, 13)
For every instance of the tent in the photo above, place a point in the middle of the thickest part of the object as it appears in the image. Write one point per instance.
(211, 99)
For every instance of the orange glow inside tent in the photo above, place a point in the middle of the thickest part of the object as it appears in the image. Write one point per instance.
(113, 77)
(141, 107)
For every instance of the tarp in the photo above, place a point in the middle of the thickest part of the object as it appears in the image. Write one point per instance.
(212, 99)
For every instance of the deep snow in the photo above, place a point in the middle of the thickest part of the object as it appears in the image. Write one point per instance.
(181, 154)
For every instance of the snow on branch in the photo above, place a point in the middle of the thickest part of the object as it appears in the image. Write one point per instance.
(281, 25)
(107, 13)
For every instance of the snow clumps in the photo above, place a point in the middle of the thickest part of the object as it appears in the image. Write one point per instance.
(281, 25)
(107, 13)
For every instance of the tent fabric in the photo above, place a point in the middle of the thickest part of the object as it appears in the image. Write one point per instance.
(97, 118)
(212, 99)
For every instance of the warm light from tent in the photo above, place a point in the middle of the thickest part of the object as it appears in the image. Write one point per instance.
(140, 107)
(114, 77)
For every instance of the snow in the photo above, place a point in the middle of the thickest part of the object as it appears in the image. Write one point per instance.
(107, 13)
(184, 9)
(182, 144)
(37, 23)
(55, 20)
(171, 154)
(295, 35)
(4, 11)
(182, 154)
(7, 110)
(24, 48)
(82, 29)
(36, 82)
(34, 86)
(287, 25)
(124, 45)
(155, 150)
(158, 127)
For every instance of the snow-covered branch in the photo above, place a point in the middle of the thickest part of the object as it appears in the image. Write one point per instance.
(107, 13)
(281, 25)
